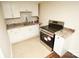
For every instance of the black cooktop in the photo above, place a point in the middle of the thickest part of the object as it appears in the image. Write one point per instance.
(51, 29)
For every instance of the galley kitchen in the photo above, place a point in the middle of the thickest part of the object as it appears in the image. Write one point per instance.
(39, 29)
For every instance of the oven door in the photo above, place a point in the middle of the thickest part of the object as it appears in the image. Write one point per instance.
(48, 40)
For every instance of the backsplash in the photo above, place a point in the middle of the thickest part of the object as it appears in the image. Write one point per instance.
(26, 15)
(14, 21)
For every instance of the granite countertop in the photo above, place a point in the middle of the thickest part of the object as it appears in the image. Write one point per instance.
(65, 32)
(10, 26)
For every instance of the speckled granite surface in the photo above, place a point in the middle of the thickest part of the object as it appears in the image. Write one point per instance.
(11, 26)
(65, 32)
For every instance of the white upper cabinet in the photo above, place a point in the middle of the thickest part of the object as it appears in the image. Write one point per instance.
(7, 10)
(29, 6)
(13, 9)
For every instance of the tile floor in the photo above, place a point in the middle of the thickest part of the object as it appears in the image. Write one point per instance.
(31, 48)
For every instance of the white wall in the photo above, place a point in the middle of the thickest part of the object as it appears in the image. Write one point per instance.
(73, 43)
(4, 40)
(63, 11)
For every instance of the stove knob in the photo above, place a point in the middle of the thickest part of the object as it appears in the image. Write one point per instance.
(49, 38)
(45, 39)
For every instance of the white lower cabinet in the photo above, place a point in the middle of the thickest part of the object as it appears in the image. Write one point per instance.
(59, 45)
(23, 33)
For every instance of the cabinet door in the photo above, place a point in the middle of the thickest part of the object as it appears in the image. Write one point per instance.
(29, 6)
(23, 33)
(59, 45)
(7, 10)
(10, 9)
(34, 9)
(15, 9)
